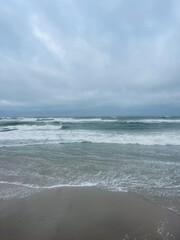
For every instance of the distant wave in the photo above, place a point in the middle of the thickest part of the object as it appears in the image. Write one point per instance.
(17, 123)
(44, 119)
(64, 127)
(52, 121)
(149, 121)
(8, 129)
(59, 121)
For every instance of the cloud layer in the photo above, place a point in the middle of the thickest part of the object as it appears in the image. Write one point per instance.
(89, 57)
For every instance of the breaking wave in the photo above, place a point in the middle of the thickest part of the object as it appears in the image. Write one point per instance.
(28, 131)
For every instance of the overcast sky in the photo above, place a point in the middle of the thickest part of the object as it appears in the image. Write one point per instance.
(89, 57)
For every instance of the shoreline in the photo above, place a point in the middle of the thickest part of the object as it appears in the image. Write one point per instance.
(86, 213)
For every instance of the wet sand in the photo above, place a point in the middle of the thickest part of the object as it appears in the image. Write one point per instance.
(85, 213)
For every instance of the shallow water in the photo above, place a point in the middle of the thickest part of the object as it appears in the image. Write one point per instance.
(141, 155)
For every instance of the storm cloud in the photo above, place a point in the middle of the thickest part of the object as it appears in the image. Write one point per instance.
(75, 57)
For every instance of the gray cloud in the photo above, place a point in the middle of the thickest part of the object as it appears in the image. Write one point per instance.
(79, 57)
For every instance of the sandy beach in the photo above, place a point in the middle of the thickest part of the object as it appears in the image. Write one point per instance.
(85, 213)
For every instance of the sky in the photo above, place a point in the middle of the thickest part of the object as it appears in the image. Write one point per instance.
(81, 57)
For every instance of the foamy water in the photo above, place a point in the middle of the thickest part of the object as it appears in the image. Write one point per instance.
(27, 131)
(117, 154)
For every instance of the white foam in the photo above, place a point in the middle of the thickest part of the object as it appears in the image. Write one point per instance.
(48, 187)
(86, 120)
(154, 121)
(59, 119)
(38, 136)
(83, 120)
(37, 127)
(19, 119)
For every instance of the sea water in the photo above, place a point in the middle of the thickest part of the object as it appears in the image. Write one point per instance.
(115, 153)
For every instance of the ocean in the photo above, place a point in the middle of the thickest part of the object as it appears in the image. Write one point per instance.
(138, 154)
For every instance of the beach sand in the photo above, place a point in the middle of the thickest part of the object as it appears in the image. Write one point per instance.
(86, 213)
